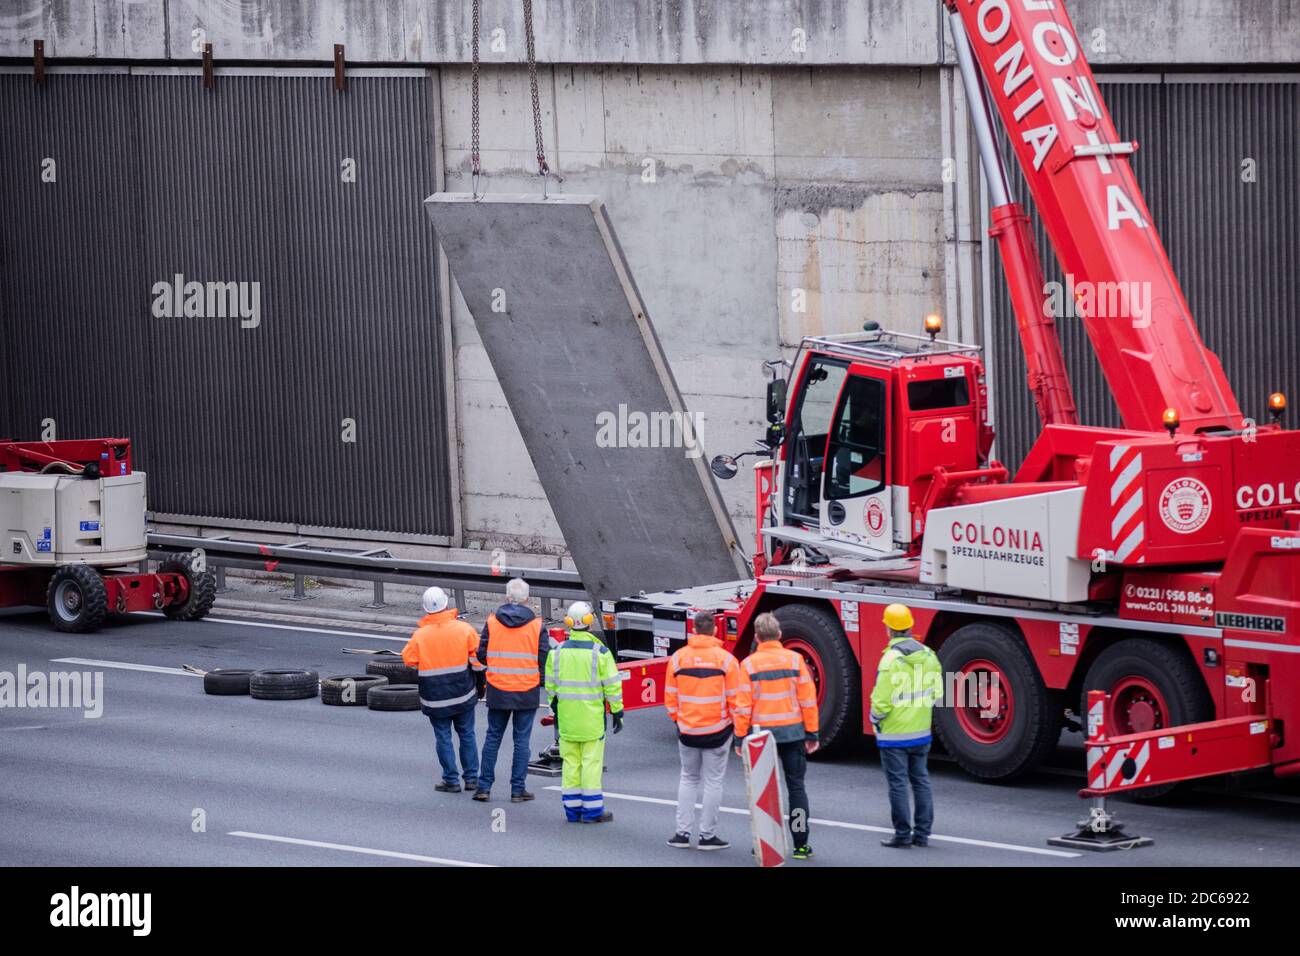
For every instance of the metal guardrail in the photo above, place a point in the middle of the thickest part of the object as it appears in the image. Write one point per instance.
(377, 566)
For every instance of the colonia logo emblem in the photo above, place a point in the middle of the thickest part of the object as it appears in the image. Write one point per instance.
(1185, 505)
(875, 516)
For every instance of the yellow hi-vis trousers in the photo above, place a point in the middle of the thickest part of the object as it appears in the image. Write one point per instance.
(584, 761)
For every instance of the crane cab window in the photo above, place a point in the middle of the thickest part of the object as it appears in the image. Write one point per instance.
(809, 430)
(929, 394)
(855, 455)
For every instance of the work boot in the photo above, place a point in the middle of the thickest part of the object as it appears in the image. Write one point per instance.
(605, 817)
(523, 796)
(897, 842)
(802, 853)
(444, 787)
(482, 796)
(920, 841)
(680, 840)
(712, 843)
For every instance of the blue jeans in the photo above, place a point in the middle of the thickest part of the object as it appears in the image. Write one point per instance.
(496, 732)
(903, 765)
(464, 726)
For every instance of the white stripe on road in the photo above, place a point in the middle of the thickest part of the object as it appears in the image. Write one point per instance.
(291, 627)
(123, 666)
(990, 844)
(368, 851)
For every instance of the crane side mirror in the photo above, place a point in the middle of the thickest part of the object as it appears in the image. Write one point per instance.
(724, 466)
(776, 400)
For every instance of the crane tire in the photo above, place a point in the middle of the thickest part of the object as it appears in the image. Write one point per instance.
(1023, 722)
(815, 633)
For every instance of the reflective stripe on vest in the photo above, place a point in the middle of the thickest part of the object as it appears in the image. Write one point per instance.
(778, 706)
(699, 699)
(512, 655)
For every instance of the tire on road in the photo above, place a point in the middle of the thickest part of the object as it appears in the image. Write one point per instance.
(1152, 685)
(394, 697)
(76, 599)
(203, 589)
(1015, 731)
(816, 634)
(393, 669)
(283, 684)
(226, 682)
(349, 690)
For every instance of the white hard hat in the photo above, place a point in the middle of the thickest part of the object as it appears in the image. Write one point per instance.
(434, 600)
(580, 615)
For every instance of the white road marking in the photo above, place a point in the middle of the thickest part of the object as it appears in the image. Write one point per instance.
(122, 666)
(291, 627)
(990, 844)
(368, 851)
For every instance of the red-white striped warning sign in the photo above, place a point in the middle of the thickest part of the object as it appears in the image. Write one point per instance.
(768, 804)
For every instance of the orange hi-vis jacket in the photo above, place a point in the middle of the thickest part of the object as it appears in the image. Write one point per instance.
(700, 691)
(512, 655)
(776, 694)
(445, 652)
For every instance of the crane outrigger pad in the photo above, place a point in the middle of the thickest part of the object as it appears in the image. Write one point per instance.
(568, 335)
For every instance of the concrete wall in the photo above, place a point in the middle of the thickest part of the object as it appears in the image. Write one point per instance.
(756, 206)
(755, 32)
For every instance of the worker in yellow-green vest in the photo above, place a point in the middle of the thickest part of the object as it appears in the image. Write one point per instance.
(581, 677)
(909, 682)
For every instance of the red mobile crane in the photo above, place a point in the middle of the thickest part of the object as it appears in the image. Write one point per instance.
(1158, 564)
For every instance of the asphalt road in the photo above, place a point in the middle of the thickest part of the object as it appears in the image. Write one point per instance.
(299, 783)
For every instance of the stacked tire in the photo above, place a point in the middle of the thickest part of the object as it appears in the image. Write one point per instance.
(393, 697)
(283, 684)
(227, 682)
(349, 690)
(394, 669)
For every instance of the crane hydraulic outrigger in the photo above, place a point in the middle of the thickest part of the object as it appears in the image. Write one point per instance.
(1157, 564)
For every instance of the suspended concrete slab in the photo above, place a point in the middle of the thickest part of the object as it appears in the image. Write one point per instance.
(568, 335)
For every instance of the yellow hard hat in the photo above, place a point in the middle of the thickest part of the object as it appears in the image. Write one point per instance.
(898, 617)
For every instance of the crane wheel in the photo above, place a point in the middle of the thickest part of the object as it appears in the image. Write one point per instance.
(815, 633)
(203, 589)
(1003, 720)
(1151, 685)
(77, 599)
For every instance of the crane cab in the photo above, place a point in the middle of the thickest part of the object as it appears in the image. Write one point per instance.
(859, 431)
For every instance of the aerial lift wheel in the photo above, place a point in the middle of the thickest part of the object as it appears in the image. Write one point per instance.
(1004, 721)
(77, 599)
(1152, 684)
(202, 592)
(816, 635)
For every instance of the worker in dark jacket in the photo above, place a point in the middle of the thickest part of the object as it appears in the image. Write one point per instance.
(513, 645)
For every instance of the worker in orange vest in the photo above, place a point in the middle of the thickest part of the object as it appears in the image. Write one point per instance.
(700, 691)
(445, 652)
(777, 694)
(513, 645)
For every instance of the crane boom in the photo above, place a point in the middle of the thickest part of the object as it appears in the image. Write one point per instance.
(1079, 176)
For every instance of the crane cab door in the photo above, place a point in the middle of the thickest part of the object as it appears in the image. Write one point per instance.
(855, 501)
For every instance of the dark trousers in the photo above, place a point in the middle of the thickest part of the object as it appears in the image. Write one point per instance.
(794, 762)
(463, 725)
(496, 731)
(904, 766)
